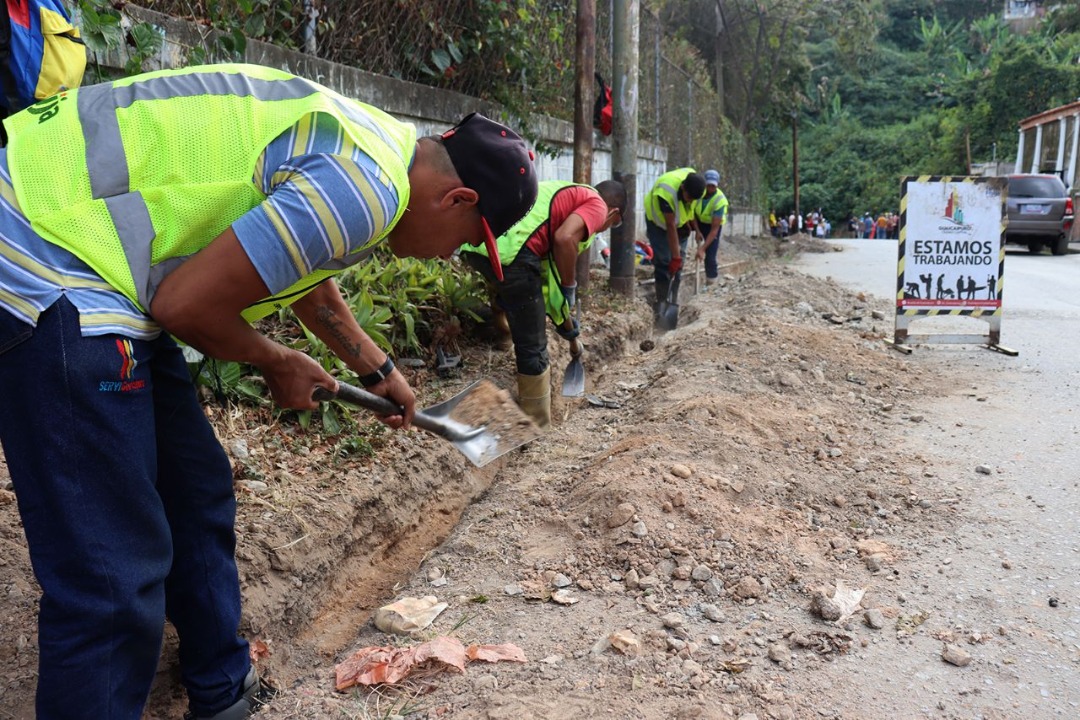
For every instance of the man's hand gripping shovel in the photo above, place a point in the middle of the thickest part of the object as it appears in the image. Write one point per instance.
(481, 421)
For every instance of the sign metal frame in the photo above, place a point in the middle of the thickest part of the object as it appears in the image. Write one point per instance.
(937, 239)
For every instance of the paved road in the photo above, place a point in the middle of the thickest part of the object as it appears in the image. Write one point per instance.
(1019, 542)
(1033, 283)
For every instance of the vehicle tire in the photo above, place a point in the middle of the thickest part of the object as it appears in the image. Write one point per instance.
(1061, 245)
(1035, 248)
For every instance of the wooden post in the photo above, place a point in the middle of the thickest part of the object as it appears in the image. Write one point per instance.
(795, 166)
(967, 147)
(585, 64)
(624, 154)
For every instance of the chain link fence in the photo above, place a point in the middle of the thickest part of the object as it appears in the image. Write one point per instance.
(680, 110)
(519, 53)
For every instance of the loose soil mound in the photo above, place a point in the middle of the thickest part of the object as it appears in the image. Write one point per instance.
(713, 480)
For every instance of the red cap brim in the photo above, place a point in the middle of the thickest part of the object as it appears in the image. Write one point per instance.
(492, 249)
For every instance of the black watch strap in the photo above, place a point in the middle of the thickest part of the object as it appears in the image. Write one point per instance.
(379, 375)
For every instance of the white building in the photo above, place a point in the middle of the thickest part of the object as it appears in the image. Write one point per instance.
(1048, 143)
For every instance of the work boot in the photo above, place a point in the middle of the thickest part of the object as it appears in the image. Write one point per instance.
(503, 340)
(534, 397)
(254, 696)
(662, 287)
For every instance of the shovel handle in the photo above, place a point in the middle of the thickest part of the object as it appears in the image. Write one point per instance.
(378, 405)
(575, 344)
(673, 288)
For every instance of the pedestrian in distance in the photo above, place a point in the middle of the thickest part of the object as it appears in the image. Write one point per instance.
(669, 220)
(539, 257)
(187, 203)
(710, 211)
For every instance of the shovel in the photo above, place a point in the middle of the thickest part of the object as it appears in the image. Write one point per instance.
(667, 311)
(481, 421)
(573, 383)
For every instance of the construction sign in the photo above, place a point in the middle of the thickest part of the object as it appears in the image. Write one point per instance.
(951, 255)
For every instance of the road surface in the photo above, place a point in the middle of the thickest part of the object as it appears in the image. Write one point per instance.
(1010, 578)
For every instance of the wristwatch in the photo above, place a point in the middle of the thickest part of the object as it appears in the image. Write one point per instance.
(379, 375)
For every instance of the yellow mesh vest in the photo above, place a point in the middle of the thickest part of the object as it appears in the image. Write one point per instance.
(705, 207)
(667, 188)
(511, 242)
(190, 138)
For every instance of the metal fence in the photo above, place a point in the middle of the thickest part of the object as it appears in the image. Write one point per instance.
(680, 111)
(474, 47)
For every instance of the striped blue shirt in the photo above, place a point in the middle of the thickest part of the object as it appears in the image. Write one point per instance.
(325, 199)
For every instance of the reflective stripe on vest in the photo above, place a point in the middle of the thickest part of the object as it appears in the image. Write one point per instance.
(667, 189)
(389, 142)
(706, 207)
(101, 126)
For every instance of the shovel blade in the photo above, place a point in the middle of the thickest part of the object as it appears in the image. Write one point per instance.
(667, 316)
(485, 421)
(667, 310)
(573, 384)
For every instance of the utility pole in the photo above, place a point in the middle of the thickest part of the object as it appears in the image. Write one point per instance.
(795, 165)
(624, 154)
(967, 148)
(585, 63)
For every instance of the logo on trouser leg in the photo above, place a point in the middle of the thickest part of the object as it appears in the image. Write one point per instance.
(128, 363)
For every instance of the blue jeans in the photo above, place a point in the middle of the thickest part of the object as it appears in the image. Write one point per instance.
(127, 503)
(657, 237)
(712, 269)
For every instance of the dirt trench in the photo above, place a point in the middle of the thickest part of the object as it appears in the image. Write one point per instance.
(323, 540)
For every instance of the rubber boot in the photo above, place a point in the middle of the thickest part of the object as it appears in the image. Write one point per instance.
(662, 287)
(534, 397)
(503, 340)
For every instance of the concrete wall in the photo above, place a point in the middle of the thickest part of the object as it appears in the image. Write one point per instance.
(740, 222)
(432, 110)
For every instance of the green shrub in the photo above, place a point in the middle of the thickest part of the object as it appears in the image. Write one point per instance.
(407, 306)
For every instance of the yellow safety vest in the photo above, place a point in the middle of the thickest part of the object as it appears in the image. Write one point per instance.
(511, 242)
(136, 175)
(667, 189)
(705, 207)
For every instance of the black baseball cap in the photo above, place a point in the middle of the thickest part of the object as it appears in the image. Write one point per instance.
(493, 160)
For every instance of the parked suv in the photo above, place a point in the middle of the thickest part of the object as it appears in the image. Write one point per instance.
(1040, 213)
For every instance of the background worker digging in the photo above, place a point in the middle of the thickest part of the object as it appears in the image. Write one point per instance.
(669, 214)
(710, 214)
(539, 264)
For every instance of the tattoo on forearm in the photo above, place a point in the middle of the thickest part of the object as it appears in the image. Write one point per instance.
(328, 320)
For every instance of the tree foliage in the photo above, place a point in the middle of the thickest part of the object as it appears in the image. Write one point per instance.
(880, 89)
(944, 75)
